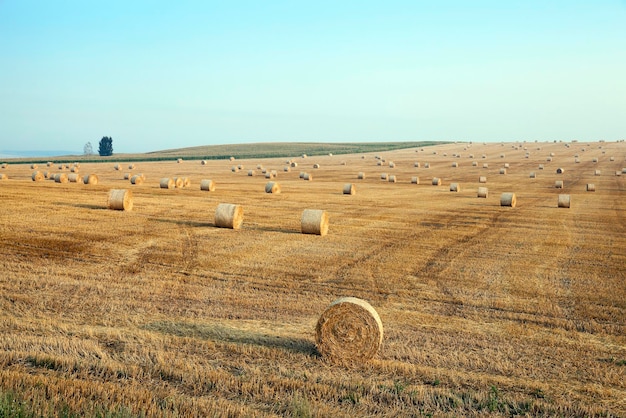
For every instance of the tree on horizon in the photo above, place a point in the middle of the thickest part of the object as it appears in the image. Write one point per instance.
(105, 148)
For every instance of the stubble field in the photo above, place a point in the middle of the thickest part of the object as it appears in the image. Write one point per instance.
(156, 312)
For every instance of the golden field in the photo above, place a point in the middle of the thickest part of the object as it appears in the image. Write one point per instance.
(156, 312)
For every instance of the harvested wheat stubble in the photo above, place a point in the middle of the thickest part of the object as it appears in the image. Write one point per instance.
(483, 192)
(74, 178)
(37, 176)
(228, 215)
(454, 187)
(392, 178)
(558, 184)
(482, 179)
(349, 331)
(508, 199)
(167, 183)
(361, 176)
(120, 199)
(90, 179)
(207, 185)
(349, 188)
(314, 221)
(136, 179)
(564, 201)
(272, 187)
(436, 181)
(415, 180)
(60, 178)
(179, 182)
(591, 187)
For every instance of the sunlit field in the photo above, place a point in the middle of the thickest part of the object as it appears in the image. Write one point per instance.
(156, 312)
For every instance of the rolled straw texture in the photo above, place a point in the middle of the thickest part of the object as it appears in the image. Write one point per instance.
(591, 187)
(415, 180)
(74, 178)
(307, 177)
(207, 185)
(454, 187)
(90, 179)
(120, 199)
(60, 178)
(436, 181)
(348, 188)
(508, 199)
(392, 178)
(228, 216)
(564, 201)
(361, 176)
(482, 179)
(136, 179)
(558, 184)
(179, 182)
(483, 192)
(167, 183)
(314, 221)
(272, 187)
(37, 176)
(349, 331)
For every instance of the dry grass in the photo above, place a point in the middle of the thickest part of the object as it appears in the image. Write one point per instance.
(156, 312)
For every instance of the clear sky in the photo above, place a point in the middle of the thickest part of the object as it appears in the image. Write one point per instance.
(166, 74)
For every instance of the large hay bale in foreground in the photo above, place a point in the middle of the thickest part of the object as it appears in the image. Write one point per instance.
(37, 176)
(207, 185)
(564, 201)
(90, 179)
(348, 188)
(61, 178)
(483, 192)
(272, 187)
(349, 331)
(120, 199)
(167, 183)
(508, 199)
(314, 221)
(228, 215)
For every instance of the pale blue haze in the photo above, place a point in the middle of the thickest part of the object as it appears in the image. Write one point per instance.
(167, 74)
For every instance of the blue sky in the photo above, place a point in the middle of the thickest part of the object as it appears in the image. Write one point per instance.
(166, 74)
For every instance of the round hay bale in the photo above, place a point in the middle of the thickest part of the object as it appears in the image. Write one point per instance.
(392, 164)
(349, 331)
(415, 180)
(33, 166)
(268, 175)
(3, 176)
(597, 172)
(167, 183)
(74, 178)
(232, 158)
(74, 169)
(294, 164)
(47, 174)
(303, 155)
(316, 166)
(287, 169)
(120, 199)
(483, 192)
(503, 171)
(455, 164)
(126, 176)
(426, 165)
(508, 199)
(207, 185)
(117, 167)
(90, 179)
(228, 216)
(61, 167)
(234, 169)
(618, 173)
(576, 160)
(485, 165)
(37, 176)
(540, 166)
(301, 175)
(611, 158)
(186, 182)
(272, 187)
(203, 162)
(179, 160)
(314, 221)
(274, 173)
(392, 178)
(136, 179)
(179, 182)
(131, 166)
(558, 184)
(559, 170)
(417, 165)
(49, 164)
(506, 165)
(61, 178)
(436, 181)
(361, 176)
(474, 163)
(251, 173)
(454, 187)
(383, 176)
(549, 159)
(532, 175)
(349, 188)
(307, 177)
(594, 160)
(240, 167)
(591, 187)
(564, 201)
(482, 179)
(259, 167)
(624, 170)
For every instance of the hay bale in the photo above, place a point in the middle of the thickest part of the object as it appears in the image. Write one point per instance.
(383, 176)
(207, 185)
(61, 178)
(47, 174)
(624, 170)
(594, 160)
(49, 164)
(286, 169)
(564, 201)
(136, 179)
(454, 187)
(167, 183)
(272, 187)
(597, 172)
(485, 165)
(120, 199)
(558, 184)
(90, 179)
(483, 192)
(540, 166)
(508, 199)
(314, 221)
(234, 169)
(506, 165)
(416, 165)
(117, 167)
(3, 176)
(294, 164)
(611, 158)
(436, 181)
(37, 176)
(591, 187)
(503, 171)
(392, 164)
(415, 180)
(251, 173)
(74, 169)
(179, 182)
(392, 179)
(186, 182)
(349, 331)
(240, 167)
(301, 175)
(307, 177)
(228, 216)
(131, 166)
(474, 163)
(203, 162)
(549, 159)
(532, 175)
(426, 165)
(74, 178)
(455, 164)
(379, 163)
(232, 158)
(33, 166)
(127, 176)
(559, 170)
(361, 176)
(348, 188)
(316, 166)
(482, 179)
(618, 173)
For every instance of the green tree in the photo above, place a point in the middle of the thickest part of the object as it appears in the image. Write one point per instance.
(105, 147)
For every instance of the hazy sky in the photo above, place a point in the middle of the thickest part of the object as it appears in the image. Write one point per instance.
(167, 74)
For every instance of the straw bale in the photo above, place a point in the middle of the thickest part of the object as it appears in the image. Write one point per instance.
(207, 185)
(37, 176)
(349, 188)
(120, 199)
(228, 215)
(314, 221)
(483, 192)
(272, 187)
(508, 199)
(564, 201)
(90, 179)
(167, 183)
